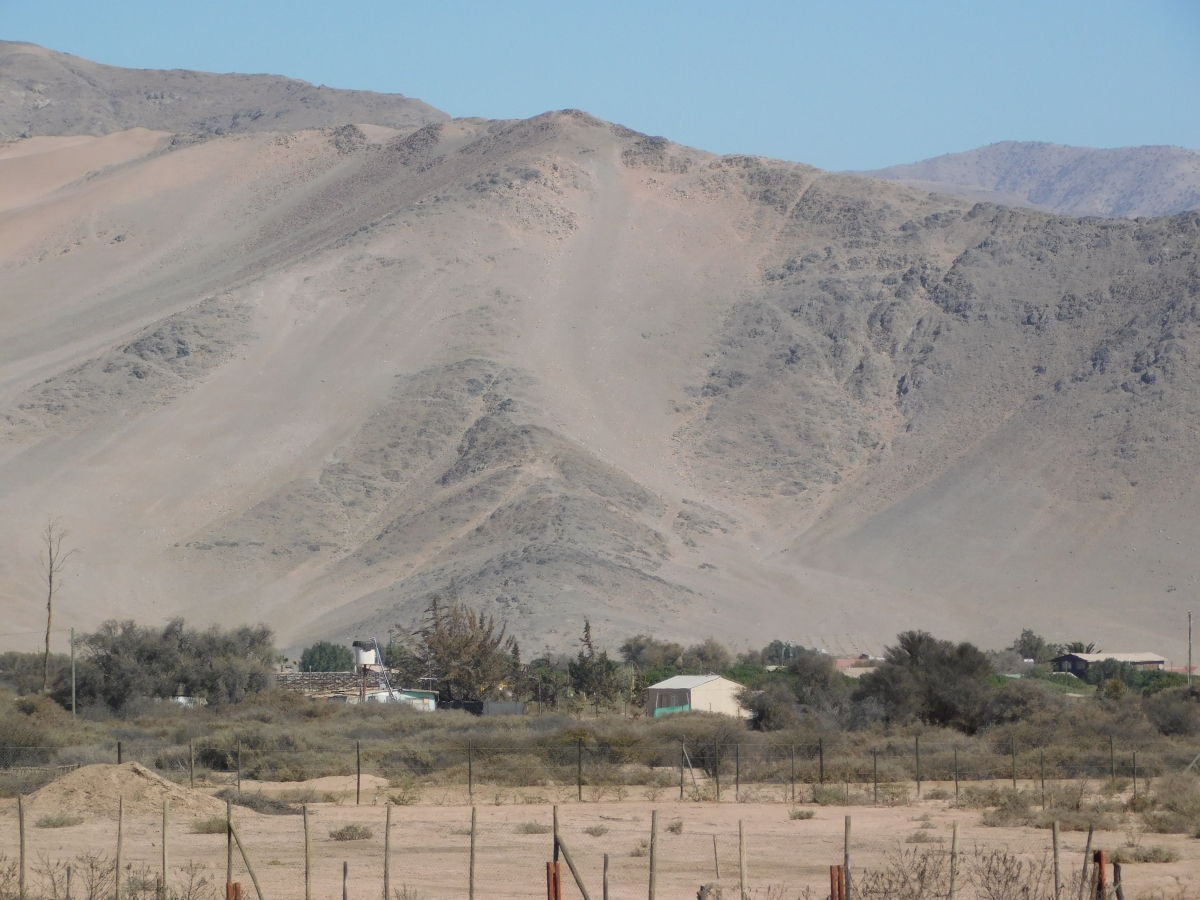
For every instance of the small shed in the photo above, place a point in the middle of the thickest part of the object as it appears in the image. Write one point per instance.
(1079, 663)
(699, 693)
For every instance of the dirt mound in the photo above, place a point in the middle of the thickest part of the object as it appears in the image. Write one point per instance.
(95, 789)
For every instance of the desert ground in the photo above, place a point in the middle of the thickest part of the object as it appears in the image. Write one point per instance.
(430, 839)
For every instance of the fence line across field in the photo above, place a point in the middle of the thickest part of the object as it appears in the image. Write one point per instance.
(707, 769)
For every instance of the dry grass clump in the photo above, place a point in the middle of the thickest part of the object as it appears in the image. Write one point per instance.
(797, 813)
(922, 836)
(1133, 853)
(596, 830)
(352, 832)
(211, 825)
(58, 820)
(642, 849)
(676, 827)
(258, 801)
(533, 828)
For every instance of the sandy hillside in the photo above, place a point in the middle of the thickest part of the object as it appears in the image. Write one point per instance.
(314, 377)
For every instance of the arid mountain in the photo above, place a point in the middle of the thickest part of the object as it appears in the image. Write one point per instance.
(561, 368)
(1126, 182)
(47, 93)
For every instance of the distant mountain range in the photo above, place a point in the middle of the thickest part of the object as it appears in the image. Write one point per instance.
(43, 92)
(1127, 182)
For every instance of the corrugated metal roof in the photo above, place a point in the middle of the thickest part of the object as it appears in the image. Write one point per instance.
(684, 682)
(1119, 657)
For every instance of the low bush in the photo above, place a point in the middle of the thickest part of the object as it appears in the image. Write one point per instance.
(58, 820)
(1138, 854)
(596, 830)
(211, 825)
(676, 827)
(923, 837)
(533, 828)
(800, 814)
(352, 832)
(258, 801)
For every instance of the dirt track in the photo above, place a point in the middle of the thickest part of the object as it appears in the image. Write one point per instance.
(430, 843)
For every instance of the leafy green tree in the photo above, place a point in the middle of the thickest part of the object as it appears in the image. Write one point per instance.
(931, 680)
(324, 656)
(1080, 647)
(123, 661)
(592, 673)
(467, 653)
(1033, 646)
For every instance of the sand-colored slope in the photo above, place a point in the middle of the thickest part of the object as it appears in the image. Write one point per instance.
(564, 369)
(43, 92)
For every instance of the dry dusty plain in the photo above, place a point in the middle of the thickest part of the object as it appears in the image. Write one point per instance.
(430, 840)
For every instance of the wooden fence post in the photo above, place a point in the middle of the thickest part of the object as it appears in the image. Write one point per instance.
(579, 767)
(1057, 868)
(1087, 850)
(120, 830)
(918, 745)
(228, 845)
(821, 757)
(846, 860)
(470, 769)
(560, 846)
(742, 859)
(954, 862)
(1112, 758)
(239, 767)
(1042, 767)
(345, 880)
(653, 852)
(1134, 786)
(737, 772)
(716, 858)
(308, 856)
(120, 758)
(1012, 745)
(875, 769)
(605, 876)
(471, 877)
(387, 854)
(165, 857)
(21, 862)
(682, 753)
(793, 749)
(246, 859)
(357, 772)
(1101, 868)
(955, 773)
(191, 765)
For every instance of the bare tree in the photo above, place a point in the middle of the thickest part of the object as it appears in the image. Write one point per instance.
(53, 563)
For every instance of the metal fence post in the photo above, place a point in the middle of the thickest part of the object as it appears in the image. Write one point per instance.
(470, 766)
(579, 767)
(793, 749)
(918, 745)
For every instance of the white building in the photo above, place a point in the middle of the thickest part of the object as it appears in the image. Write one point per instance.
(698, 693)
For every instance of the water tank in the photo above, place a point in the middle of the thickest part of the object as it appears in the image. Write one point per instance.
(364, 653)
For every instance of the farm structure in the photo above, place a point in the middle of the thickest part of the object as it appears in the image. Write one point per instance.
(695, 693)
(1079, 663)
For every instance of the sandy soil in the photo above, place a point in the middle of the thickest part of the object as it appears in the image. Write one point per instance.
(430, 843)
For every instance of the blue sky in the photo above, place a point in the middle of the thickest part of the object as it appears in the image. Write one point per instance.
(844, 85)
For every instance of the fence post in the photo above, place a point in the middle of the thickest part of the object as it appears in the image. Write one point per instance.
(605, 889)
(21, 829)
(357, 771)
(579, 767)
(653, 852)
(239, 767)
(119, 755)
(955, 773)
(228, 845)
(120, 830)
(470, 769)
(918, 744)
(1101, 874)
(821, 757)
(793, 749)
(682, 753)
(471, 882)
(717, 769)
(307, 856)
(1134, 774)
(846, 860)
(387, 854)
(1057, 869)
(1042, 766)
(191, 765)
(345, 880)
(875, 769)
(165, 857)
(742, 859)
(954, 862)
(1012, 745)
(1087, 850)
(737, 772)
(1112, 758)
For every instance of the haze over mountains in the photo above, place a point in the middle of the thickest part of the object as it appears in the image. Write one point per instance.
(313, 375)
(1073, 181)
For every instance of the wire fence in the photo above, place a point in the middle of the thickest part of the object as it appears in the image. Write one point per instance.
(713, 770)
